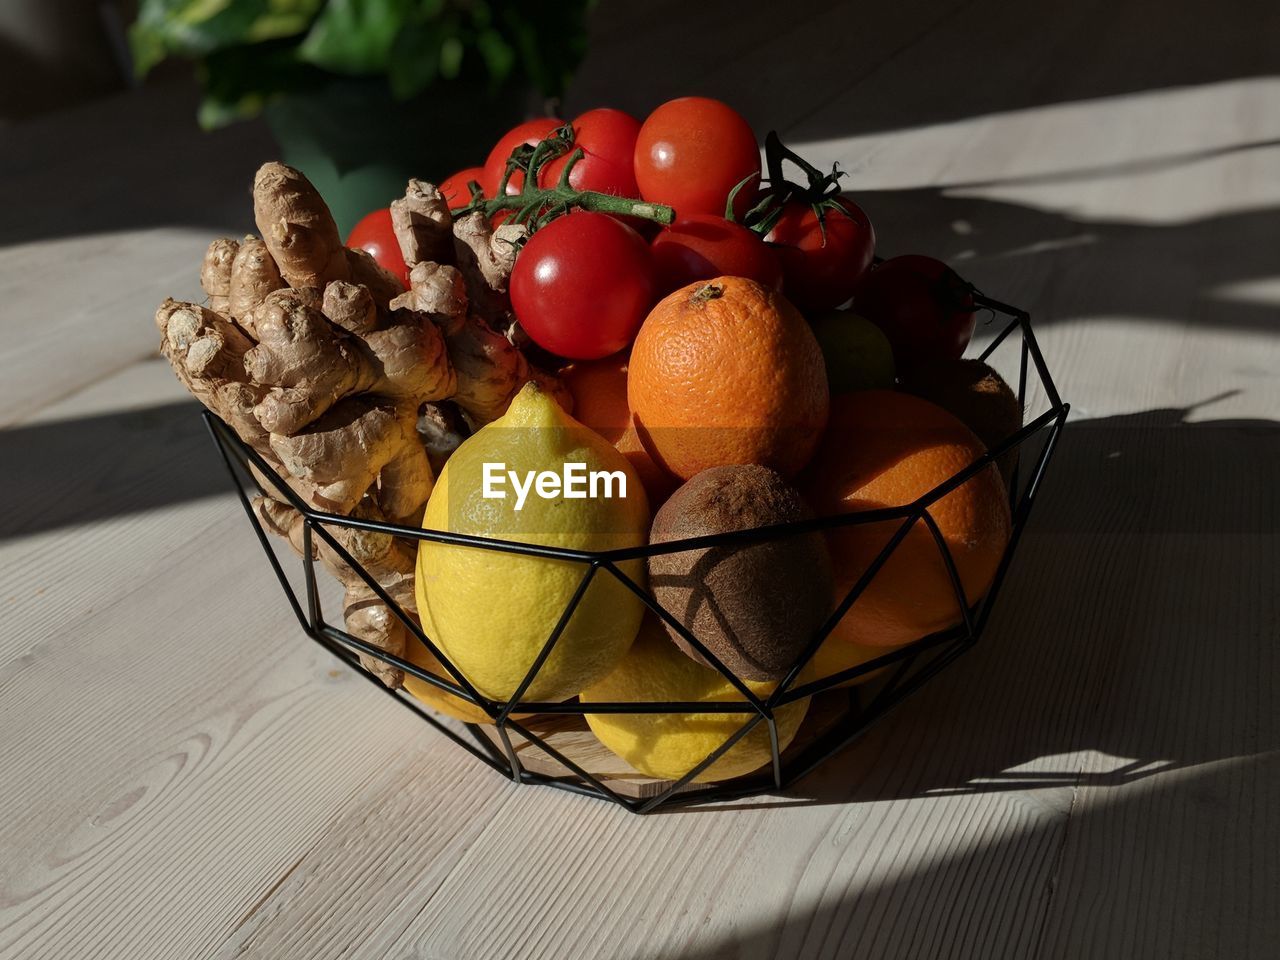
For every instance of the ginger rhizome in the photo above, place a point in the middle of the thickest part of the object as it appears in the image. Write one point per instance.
(346, 384)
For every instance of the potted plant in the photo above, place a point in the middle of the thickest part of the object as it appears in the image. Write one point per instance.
(363, 94)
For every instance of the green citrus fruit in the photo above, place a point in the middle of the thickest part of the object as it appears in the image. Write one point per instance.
(857, 354)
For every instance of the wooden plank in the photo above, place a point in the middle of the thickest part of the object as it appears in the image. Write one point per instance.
(372, 873)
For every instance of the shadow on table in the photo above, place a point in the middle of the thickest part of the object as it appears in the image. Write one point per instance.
(1060, 267)
(1181, 868)
(107, 465)
(1134, 624)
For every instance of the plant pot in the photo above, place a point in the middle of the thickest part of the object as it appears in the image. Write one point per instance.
(359, 145)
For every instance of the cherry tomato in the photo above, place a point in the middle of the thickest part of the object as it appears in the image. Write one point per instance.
(607, 139)
(530, 132)
(702, 247)
(455, 189)
(457, 192)
(582, 285)
(692, 152)
(922, 305)
(822, 262)
(374, 235)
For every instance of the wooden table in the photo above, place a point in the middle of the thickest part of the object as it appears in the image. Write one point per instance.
(184, 775)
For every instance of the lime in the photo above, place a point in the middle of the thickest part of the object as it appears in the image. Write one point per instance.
(857, 354)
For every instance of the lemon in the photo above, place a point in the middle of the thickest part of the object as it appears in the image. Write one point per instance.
(669, 745)
(493, 611)
(439, 700)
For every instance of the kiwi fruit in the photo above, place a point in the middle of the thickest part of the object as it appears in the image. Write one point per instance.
(976, 395)
(754, 605)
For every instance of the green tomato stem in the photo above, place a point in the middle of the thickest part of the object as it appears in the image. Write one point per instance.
(537, 206)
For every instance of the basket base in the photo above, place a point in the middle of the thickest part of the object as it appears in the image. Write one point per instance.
(569, 735)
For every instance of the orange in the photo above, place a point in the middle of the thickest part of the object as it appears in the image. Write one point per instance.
(887, 449)
(726, 372)
(837, 655)
(599, 389)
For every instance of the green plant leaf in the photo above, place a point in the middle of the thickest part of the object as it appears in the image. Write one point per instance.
(415, 59)
(498, 56)
(550, 41)
(239, 81)
(451, 52)
(253, 50)
(355, 36)
(196, 28)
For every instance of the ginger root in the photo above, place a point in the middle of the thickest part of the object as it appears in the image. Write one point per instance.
(343, 452)
(254, 275)
(388, 561)
(382, 284)
(207, 353)
(310, 363)
(215, 272)
(297, 228)
(485, 256)
(442, 429)
(423, 224)
(490, 368)
(323, 364)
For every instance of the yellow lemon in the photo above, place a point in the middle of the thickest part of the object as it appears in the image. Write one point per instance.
(434, 697)
(533, 476)
(669, 745)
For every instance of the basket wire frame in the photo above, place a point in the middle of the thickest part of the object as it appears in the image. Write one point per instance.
(913, 665)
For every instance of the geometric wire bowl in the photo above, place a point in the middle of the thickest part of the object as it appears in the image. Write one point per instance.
(512, 747)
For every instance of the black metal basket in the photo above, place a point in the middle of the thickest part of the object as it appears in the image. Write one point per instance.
(496, 744)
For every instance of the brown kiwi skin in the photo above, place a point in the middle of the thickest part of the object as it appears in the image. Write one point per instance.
(755, 606)
(976, 395)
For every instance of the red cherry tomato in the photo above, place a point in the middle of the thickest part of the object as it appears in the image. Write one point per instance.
(607, 139)
(455, 188)
(822, 262)
(702, 247)
(922, 305)
(692, 152)
(374, 235)
(531, 131)
(582, 285)
(457, 191)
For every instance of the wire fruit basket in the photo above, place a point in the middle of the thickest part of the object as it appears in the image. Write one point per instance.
(549, 744)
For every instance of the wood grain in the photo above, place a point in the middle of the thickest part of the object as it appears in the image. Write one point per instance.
(186, 776)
